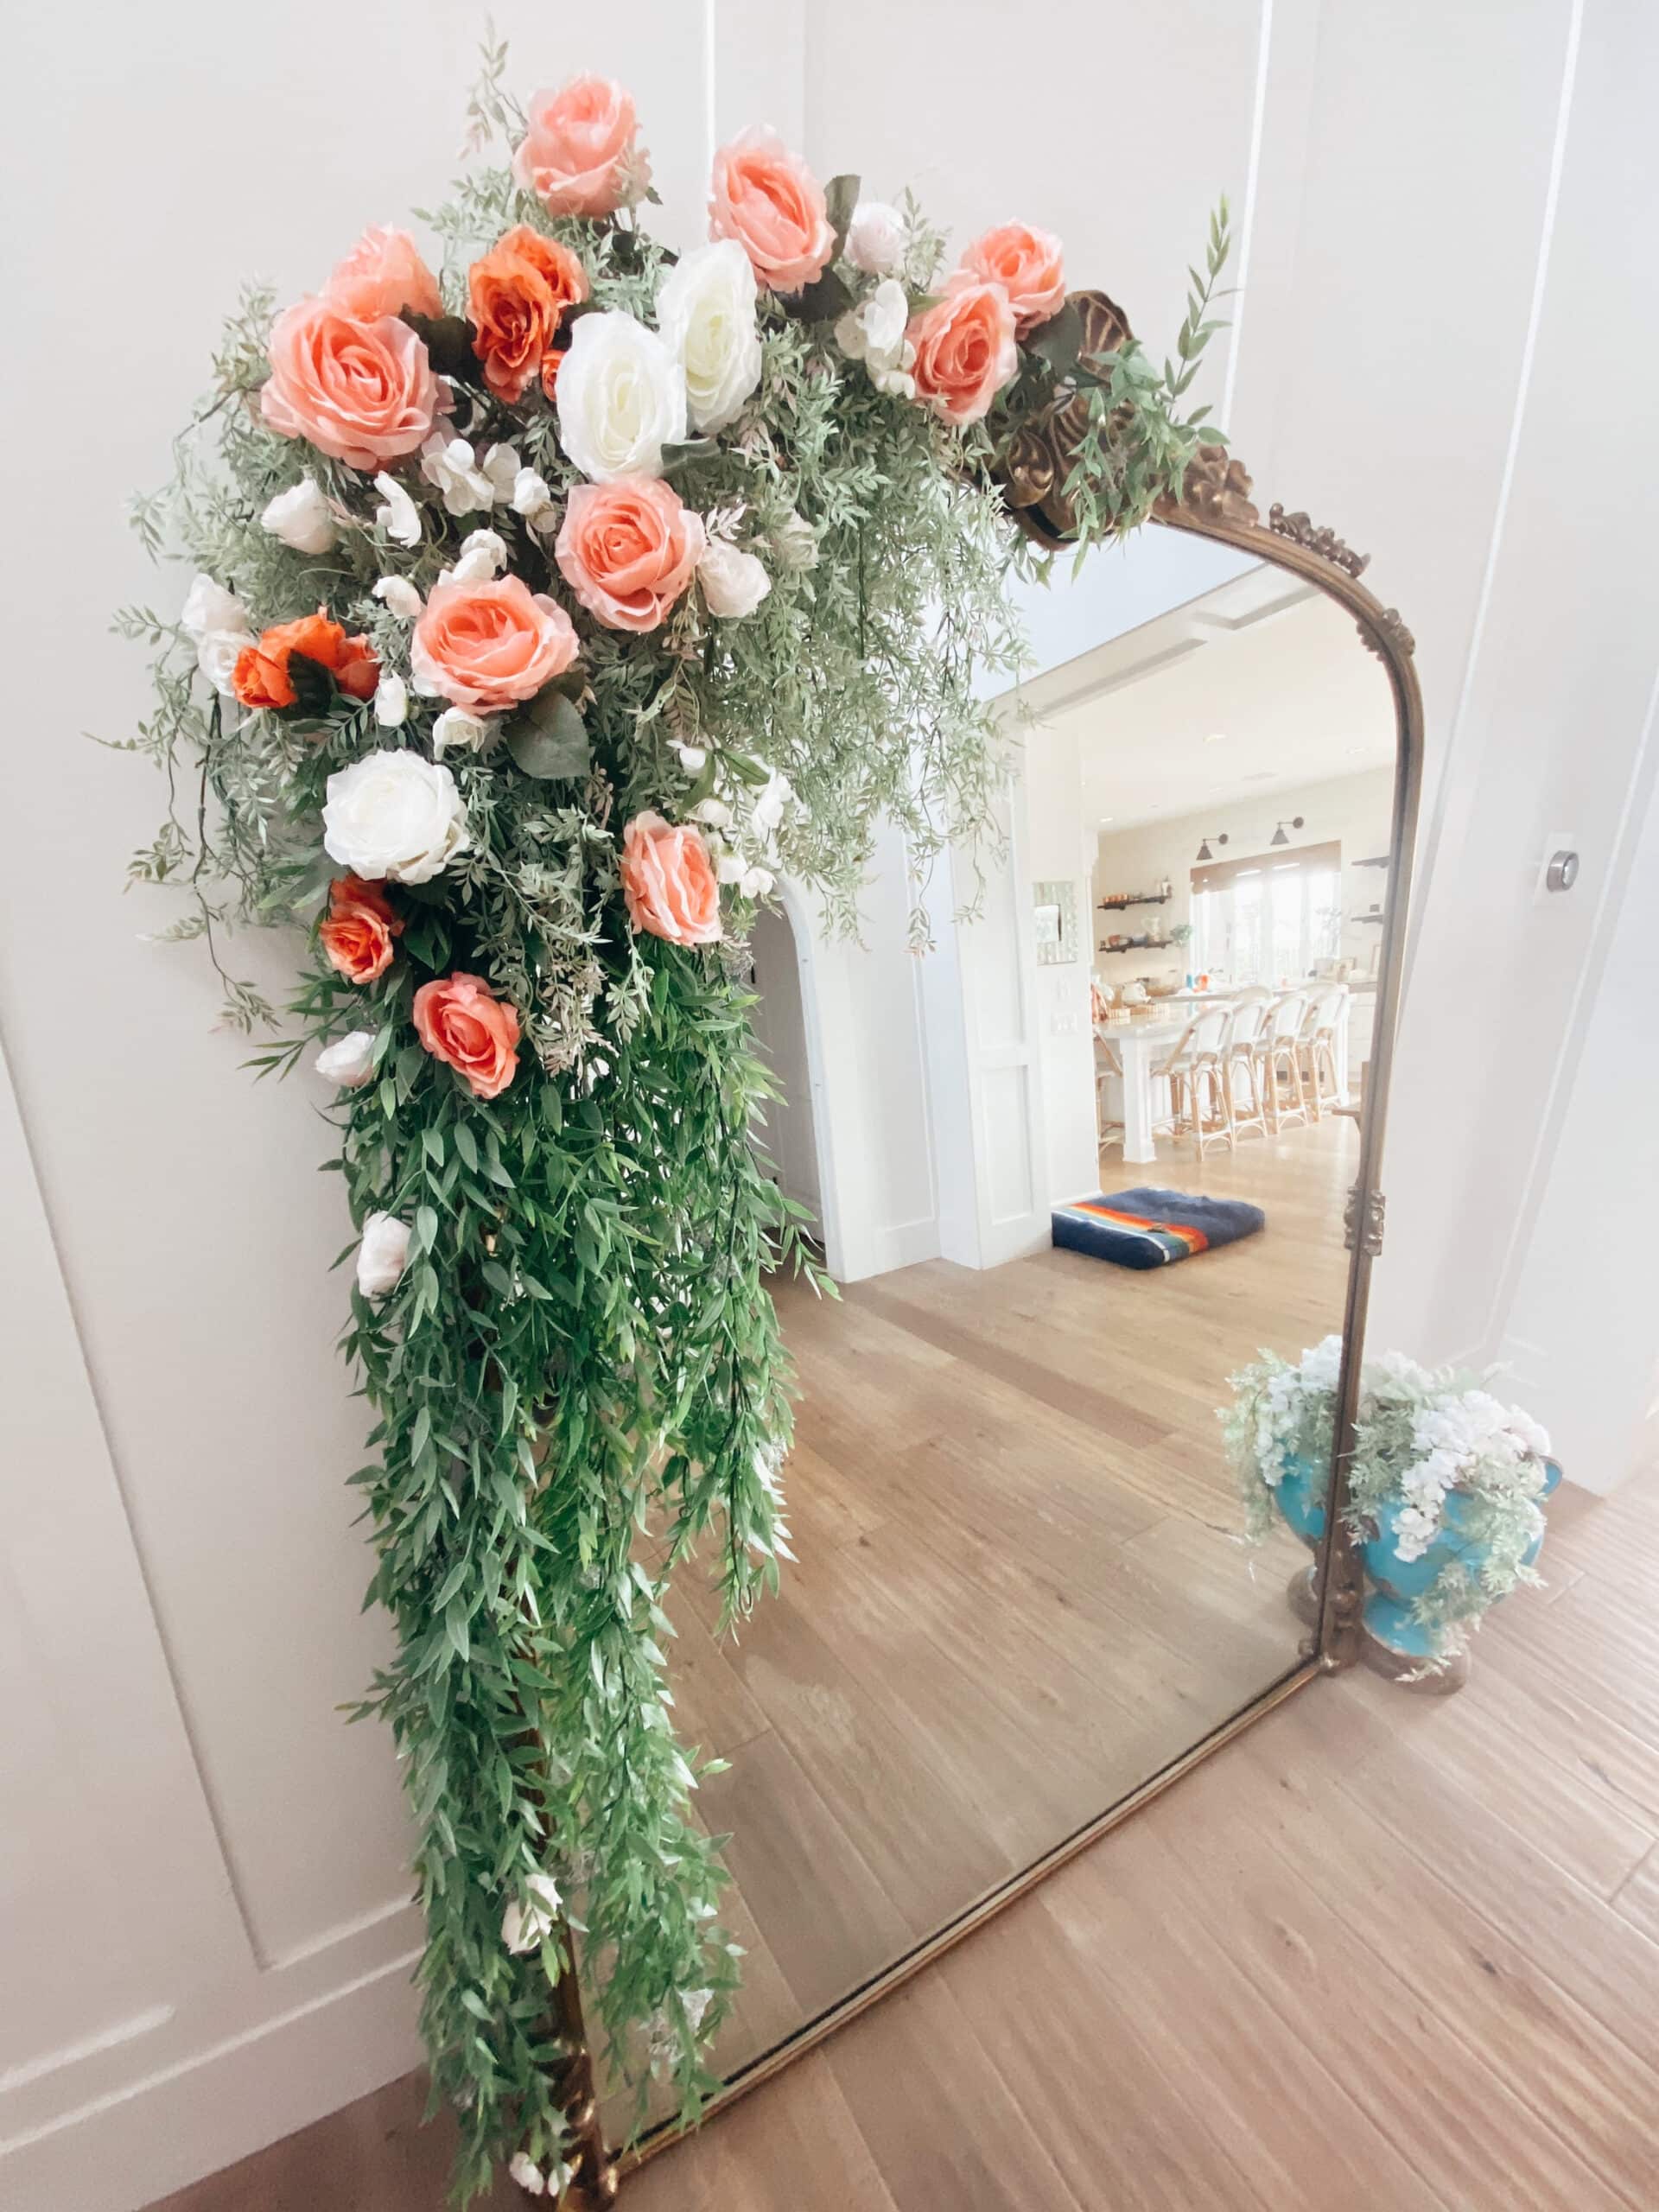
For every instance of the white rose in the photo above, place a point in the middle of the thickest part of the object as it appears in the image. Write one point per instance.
(523, 1926)
(391, 702)
(383, 1254)
(209, 607)
(734, 583)
(456, 731)
(795, 544)
(350, 1062)
(399, 517)
(400, 596)
(876, 238)
(216, 654)
(621, 399)
(300, 517)
(705, 311)
(523, 2169)
(482, 555)
(393, 813)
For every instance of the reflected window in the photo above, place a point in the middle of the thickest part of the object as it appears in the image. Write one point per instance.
(1267, 918)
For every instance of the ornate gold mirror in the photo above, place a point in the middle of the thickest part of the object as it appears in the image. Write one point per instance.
(1154, 1028)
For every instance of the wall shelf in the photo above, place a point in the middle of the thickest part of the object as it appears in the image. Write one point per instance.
(1140, 898)
(1380, 859)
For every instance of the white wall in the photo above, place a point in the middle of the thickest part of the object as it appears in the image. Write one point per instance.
(1435, 352)
(1058, 848)
(1352, 811)
(1443, 328)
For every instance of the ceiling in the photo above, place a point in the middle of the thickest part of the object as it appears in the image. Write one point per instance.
(1261, 682)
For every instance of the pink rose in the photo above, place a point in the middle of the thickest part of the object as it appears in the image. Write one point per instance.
(363, 392)
(383, 274)
(461, 1022)
(581, 155)
(627, 550)
(965, 349)
(1028, 265)
(767, 199)
(667, 881)
(490, 644)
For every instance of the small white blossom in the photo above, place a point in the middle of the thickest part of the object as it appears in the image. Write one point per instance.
(795, 544)
(216, 654)
(533, 500)
(523, 2170)
(451, 467)
(400, 596)
(208, 607)
(873, 333)
(349, 1061)
(877, 239)
(482, 555)
(769, 806)
(302, 517)
(500, 469)
(456, 731)
(523, 1925)
(399, 517)
(755, 882)
(694, 758)
(730, 867)
(713, 813)
(391, 701)
(382, 1255)
(734, 583)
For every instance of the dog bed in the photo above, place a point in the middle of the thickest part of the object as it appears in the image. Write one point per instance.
(1145, 1228)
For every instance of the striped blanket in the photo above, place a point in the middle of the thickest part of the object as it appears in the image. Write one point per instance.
(1145, 1228)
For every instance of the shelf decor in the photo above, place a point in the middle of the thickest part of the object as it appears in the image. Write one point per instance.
(553, 594)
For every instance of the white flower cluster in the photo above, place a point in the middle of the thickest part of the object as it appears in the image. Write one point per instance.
(1282, 1403)
(741, 832)
(1465, 1442)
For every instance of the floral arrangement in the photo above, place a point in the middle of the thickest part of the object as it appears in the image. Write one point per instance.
(548, 603)
(1422, 1439)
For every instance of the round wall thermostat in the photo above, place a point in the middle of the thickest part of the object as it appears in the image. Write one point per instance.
(1563, 871)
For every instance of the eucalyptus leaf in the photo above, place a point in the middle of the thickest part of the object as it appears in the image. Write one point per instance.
(840, 200)
(552, 740)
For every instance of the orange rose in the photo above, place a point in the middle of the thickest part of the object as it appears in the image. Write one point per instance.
(1028, 265)
(490, 644)
(262, 677)
(383, 274)
(517, 295)
(669, 882)
(768, 199)
(362, 391)
(551, 373)
(627, 550)
(965, 349)
(461, 1023)
(581, 155)
(357, 933)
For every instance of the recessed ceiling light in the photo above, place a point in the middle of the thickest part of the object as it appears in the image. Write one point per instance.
(1217, 737)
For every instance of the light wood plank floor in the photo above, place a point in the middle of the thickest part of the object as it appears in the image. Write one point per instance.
(1381, 1952)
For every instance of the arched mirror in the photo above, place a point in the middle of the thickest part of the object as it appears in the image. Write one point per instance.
(1108, 1138)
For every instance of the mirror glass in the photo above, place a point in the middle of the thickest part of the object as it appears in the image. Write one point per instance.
(1072, 1168)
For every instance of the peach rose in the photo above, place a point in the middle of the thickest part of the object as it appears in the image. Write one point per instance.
(261, 676)
(461, 1022)
(767, 199)
(517, 295)
(363, 392)
(669, 882)
(383, 274)
(357, 934)
(490, 644)
(965, 349)
(627, 550)
(581, 155)
(1026, 263)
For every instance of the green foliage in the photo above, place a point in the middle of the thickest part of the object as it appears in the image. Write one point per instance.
(578, 1379)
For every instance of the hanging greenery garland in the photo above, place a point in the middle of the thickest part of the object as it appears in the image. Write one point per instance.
(545, 612)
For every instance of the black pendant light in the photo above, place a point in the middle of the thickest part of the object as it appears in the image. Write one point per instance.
(1278, 837)
(1204, 853)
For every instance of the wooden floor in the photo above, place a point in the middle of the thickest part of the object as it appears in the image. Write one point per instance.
(1381, 1952)
(1020, 1591)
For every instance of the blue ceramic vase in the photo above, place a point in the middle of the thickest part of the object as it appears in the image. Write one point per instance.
(1397, 1583)
(1301, 1497)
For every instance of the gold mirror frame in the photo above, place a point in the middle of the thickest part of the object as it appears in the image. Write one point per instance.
(1216, 504)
